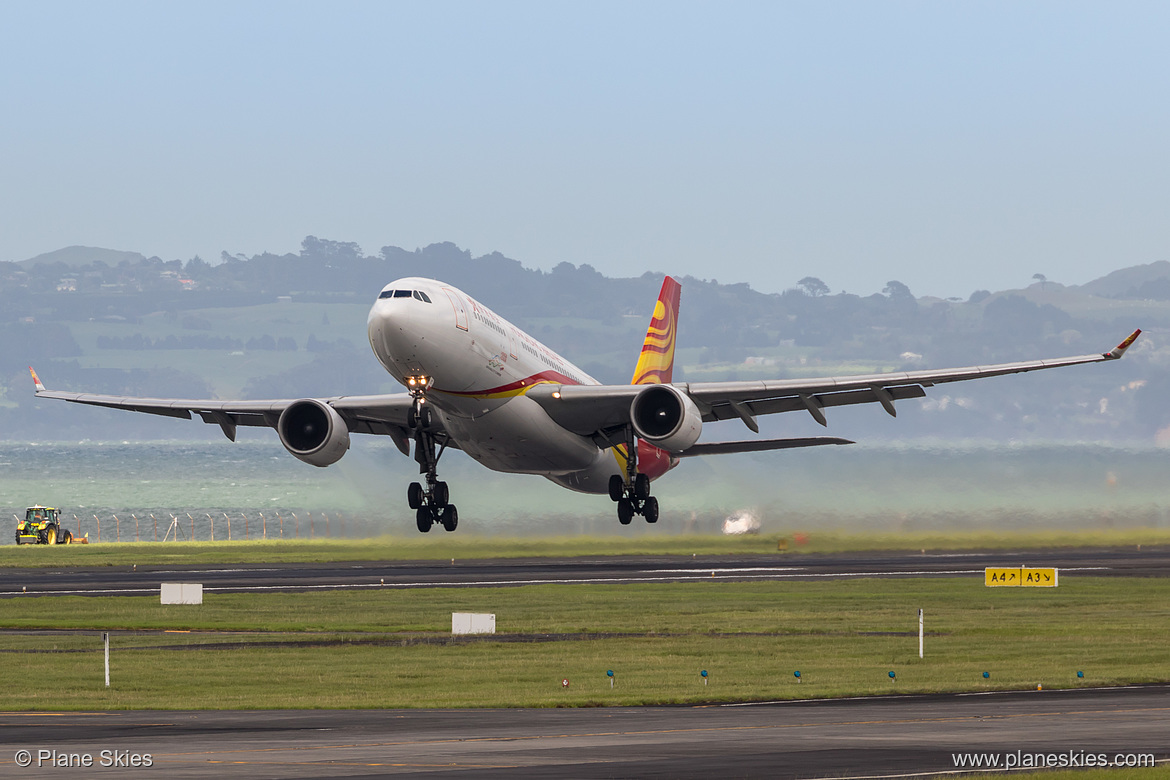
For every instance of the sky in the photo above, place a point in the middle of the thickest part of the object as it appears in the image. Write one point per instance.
(951, 146)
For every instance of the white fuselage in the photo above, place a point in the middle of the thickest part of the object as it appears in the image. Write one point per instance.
(480, 366)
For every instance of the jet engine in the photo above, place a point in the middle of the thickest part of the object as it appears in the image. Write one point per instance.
(313, 432)
(666, 417)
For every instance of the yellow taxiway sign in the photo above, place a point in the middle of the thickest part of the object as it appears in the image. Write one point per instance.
(1021, 577)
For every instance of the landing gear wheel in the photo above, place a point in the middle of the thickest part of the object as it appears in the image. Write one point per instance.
(617, 488)
(642, 487)
(441, 495)
(625, 511)
(414, 495)
(450, 518)
(650, 510)
(429, 499)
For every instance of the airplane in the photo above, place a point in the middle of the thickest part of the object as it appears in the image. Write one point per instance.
(477, 383)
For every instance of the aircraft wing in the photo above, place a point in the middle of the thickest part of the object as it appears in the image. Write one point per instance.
(387, 415)
(603, 410)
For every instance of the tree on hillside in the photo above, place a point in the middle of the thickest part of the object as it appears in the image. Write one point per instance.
(897, 291)
(197, 268)
(321, 248)
(813, 286)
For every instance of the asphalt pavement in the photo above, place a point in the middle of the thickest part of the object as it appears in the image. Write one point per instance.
(145, 580)
(876, 737)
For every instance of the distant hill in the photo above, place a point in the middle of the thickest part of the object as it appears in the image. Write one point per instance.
(80, 256)
(1128, 282)
(291, 326)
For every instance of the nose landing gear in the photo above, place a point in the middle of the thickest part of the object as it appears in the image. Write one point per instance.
(632, 493)
(431, 503)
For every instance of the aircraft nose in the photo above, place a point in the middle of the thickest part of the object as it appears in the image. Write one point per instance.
(394, 333)
(385, 325)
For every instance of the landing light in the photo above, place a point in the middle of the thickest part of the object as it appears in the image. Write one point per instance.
(556, 394)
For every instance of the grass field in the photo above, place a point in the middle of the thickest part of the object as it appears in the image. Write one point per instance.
(392, 648)
(1157, 773)
(467, 546)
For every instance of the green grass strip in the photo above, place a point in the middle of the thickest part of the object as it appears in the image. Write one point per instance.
(1160, 772)
(392, 648)
(438, 546)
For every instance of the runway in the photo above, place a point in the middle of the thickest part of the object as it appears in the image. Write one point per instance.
(895, 736)
(502, 572)
(874, 737)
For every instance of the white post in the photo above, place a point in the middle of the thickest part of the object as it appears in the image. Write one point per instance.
(106, 639)
(920, 633)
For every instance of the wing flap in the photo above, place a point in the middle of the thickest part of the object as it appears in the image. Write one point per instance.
(594, 410)
(758, 445)
(714, 392)
(383, 415)
(794, 403)
(147, 405)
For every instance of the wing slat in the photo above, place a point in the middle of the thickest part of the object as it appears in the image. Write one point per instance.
(384, 415)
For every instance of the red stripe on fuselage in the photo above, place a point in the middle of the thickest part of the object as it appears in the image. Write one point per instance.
(518, 386)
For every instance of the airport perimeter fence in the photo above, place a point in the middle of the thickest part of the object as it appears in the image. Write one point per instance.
(214, 525)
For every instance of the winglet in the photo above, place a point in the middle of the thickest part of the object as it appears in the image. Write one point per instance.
(36, 380)
(1120, 349)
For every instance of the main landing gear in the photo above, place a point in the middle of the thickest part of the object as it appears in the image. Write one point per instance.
(632, 493)
(431, 504)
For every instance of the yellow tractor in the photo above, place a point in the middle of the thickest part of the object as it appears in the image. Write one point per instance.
(42, 525)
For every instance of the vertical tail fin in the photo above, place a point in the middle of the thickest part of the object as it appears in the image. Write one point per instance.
(656, 364)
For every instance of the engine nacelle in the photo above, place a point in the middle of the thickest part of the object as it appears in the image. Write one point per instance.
(313, 432)
(666, 417)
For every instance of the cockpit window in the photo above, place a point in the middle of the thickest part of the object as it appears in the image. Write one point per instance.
(418, 295)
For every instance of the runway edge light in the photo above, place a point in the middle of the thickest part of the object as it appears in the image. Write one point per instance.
(703, 674)
(796, 674)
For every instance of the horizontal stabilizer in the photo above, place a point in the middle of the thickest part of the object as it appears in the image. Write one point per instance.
(758, 445)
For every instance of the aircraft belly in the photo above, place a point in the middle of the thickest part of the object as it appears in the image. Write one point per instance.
(518, 436)
(593, 479)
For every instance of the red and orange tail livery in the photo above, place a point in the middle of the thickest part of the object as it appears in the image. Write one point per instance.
(656, 364)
